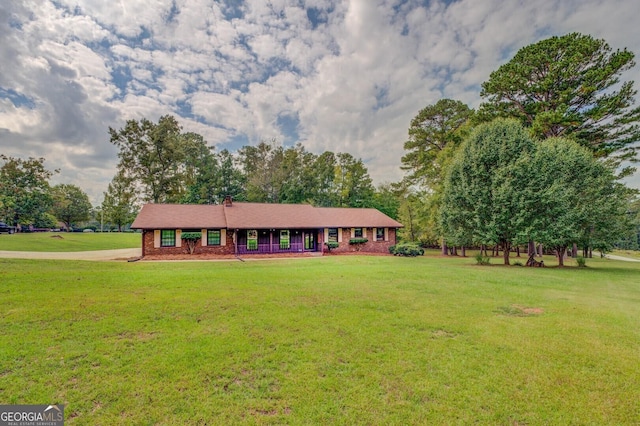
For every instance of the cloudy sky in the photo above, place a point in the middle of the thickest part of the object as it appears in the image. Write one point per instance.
(345, 76)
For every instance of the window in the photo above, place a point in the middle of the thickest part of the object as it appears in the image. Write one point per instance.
(213, 237)
(168, 238)
(284, 239)
(252, 239)
(333, 235)
(379, 234)
(357, 233)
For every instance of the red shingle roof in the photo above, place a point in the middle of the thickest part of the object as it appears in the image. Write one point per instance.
(257, 216)
(180, 216)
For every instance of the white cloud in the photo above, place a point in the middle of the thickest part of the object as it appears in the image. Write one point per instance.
(352, 80)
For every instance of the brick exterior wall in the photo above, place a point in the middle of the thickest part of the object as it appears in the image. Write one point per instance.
(371, 246)
(148, 249)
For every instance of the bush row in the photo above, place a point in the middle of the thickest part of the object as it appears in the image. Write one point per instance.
(406, 249)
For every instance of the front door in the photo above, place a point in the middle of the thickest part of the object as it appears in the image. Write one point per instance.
(309, 241)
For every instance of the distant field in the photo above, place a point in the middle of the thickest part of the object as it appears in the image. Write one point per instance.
(69, 241)
(634, 254)
(332, 340)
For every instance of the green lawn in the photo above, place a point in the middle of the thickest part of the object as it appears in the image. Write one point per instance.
(333, 340)
(69, 241)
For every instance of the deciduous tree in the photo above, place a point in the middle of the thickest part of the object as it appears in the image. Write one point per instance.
(119, 205)
(25, 194)
(484, 197)
(154, 157)
(70, 204)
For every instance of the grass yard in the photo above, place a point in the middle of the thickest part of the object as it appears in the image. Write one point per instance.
(333, 340)
(69, 241)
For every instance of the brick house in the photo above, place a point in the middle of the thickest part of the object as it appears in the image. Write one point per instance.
(238, 228)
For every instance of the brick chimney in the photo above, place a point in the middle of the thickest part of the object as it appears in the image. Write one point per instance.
(228, 201)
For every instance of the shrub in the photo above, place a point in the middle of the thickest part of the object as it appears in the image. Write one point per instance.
(581, 261)
(482, 260)
(191, 238)
(331, 245)
(406, 249)
(358, 240)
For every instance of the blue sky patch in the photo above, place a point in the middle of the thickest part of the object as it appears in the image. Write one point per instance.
(18, 99)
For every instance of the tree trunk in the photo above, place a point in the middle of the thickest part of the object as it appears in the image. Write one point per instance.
(574, 250)
(506, 247)
(531, 247)
(560, 252)
(445, 250)
(518, 251)
(454, 251)
(463, 250)
(540, 250)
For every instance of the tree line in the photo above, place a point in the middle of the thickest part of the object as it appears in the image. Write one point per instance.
(159, 163)
(28, 200)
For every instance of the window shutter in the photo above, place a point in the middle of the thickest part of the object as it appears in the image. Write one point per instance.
(339, 235)
(178, 237)
(326, 234)
(223, 237)
(156, 238)
(204, 237)
(386, 234)
(353, 232)
(375, 234)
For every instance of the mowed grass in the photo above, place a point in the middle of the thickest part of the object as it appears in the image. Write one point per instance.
(69, 241)
(333, 340)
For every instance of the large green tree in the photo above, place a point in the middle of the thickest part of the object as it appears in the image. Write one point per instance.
(324, 167)
(587, 206)
(70, 204)
(232, 181)
(484, 197)
(119, 205)
(297, 165)
(25, 194)
(263, 170)
(352, 183)
(155, 157)
(202, 172)
(569, 86)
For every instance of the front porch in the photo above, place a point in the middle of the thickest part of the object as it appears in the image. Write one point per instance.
(276, 241)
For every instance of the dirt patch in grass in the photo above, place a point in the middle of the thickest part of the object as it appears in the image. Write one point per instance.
(519, 311)
(440, 334)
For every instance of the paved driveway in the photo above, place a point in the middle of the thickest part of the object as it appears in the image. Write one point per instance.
(119, 254)
(626, 259)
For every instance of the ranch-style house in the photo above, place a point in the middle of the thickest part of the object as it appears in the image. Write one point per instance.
(239, 228)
